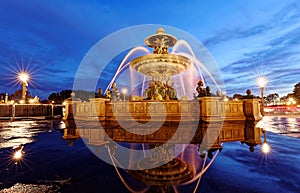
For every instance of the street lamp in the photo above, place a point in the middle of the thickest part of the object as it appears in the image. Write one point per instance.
(261, 83)
(124, 92)
(24, 77)
(292, 101)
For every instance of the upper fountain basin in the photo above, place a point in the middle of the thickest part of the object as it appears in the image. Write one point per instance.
(155, 65)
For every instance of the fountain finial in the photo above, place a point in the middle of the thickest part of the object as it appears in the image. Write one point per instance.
(160, 41)
(161, 31)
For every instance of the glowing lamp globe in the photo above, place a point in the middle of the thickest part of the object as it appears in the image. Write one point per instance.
(23, 77)
(261, 81)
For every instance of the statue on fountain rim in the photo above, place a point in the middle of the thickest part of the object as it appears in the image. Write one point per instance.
(207, 90)
(150, 91)
(114, 92)
(158, 90)
(200, 89)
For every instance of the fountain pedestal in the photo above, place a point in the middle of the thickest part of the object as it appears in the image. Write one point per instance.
(252, 109)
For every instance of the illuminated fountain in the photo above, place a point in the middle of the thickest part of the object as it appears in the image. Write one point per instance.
(167, 67)
(160, 64)
(160, 67)
(178, 139)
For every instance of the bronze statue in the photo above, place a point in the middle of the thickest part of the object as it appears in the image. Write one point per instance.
(158, 90)
(114, 92)
(207, 89)
(200, 89)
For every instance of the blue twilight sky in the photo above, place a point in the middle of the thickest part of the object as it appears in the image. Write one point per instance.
(246, 38)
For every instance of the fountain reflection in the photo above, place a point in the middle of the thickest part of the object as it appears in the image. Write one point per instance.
(187, 168)
(157, 139)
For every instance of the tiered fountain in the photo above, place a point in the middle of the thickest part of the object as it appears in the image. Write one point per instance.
(162, 123)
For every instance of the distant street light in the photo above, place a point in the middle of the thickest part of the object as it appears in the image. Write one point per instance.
(24, 77)
(124, 92)
(261, 83)
(291, 101)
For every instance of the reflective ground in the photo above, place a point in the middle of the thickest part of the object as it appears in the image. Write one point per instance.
(288, 125)
(48, 164)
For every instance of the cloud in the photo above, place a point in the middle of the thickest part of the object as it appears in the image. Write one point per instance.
(55, 36)
(275, 55)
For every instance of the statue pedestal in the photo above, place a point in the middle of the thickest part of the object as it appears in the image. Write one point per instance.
(232, 110)
(210, 109)
(97, 108)
(252, 109)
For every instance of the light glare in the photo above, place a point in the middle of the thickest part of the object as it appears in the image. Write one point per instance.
(18, 155)
(265, 148)
(261, 81)
(23, 77)
(124, 90)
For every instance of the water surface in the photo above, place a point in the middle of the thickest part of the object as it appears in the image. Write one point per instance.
(50, 165)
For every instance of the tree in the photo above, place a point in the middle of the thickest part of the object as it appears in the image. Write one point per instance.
(18, 95)
(54, 97)
(296, 92)
(271, 98)
(65, 94)
(84, 95)
(60, 97)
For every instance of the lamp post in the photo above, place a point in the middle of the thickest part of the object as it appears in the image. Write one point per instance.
(24, 77)
(262, 82)
(124, 92)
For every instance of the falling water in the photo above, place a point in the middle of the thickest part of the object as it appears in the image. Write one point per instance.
(183, 48)
(124, 64)
(184, 87)
(143, 86)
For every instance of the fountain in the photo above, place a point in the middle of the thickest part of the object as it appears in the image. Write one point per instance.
(164, 125)
(160, 64)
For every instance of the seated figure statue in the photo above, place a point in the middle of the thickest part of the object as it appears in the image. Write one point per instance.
(172, 93)
(114, 92)
(208, 93)
(200, 89)
(150, 91)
